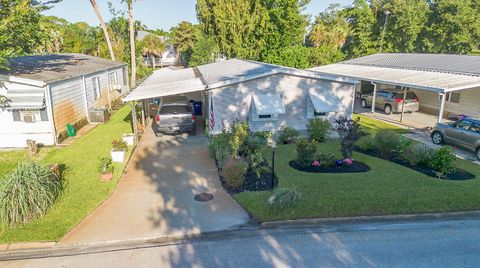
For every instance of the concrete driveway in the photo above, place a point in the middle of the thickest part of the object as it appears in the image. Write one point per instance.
(155, 195)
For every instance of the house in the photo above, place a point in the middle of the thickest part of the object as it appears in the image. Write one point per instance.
(44, 93)
(168, 57)
(447, 85)
(268, 96)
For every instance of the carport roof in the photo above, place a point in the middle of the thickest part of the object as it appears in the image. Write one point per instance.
(440, 73)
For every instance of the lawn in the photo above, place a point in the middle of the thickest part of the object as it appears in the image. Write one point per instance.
(372, 126)
(388, 188)
(83, 189)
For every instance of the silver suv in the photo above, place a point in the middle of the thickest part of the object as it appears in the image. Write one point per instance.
(391, 101)
(463, 133)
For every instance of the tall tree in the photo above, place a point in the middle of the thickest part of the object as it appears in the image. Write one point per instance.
(205, 50)
(104, 28)
(329, 29)
(183, 37)
(362, 38)
(153, 47)
(133, 61)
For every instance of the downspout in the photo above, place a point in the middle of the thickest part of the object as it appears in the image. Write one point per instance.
(50, 113)
(86, 98)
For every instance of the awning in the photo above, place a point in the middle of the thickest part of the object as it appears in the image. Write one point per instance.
(326, 102)
(268, 104)
(21, 99)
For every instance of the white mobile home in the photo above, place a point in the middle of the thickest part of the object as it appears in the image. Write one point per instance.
(41, 94)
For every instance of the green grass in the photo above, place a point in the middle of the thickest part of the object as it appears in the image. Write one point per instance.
(83, 189)
(388, 188)
(9, 159)
(475, 52)
(372, 125)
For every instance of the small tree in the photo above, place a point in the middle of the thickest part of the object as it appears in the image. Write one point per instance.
(349, 132)
(305, 152)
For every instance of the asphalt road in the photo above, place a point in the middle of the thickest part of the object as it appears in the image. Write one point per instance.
(424, 243)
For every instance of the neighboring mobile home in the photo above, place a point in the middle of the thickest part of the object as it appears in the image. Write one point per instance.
(41, 94)
(167, 58)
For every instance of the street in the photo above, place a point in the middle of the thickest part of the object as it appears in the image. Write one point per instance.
(421, 243)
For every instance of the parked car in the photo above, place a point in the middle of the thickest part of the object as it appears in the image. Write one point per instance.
(463, 133)
(391, 101)
(174, 115)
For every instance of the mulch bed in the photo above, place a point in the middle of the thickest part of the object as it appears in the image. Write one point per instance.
(355, 167)
(459, 175)
(252, 183)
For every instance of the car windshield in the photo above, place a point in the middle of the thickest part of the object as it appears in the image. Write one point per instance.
(175, 109)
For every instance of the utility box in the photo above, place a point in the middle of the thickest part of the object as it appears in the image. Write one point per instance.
(99, 115)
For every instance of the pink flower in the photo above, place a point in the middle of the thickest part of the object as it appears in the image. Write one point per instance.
(315, 163)
(348, 161)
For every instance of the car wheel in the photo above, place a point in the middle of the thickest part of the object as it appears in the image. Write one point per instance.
(158, 134)
(437, 138)
(388, 109)
(363, 103)
(478, 153)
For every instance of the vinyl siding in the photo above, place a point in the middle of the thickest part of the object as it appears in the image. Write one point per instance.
(68, 102)
(234, 102)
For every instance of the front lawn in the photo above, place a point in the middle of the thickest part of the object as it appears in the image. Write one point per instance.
(372, 125)
(388, 188)
(83, 189)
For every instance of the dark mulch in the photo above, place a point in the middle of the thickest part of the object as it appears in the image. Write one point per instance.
(355, 167)
(252, 183)
(459, 175)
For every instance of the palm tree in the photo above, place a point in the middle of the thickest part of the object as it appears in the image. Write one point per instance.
(153, 47)
(131, 23)
(104, 27)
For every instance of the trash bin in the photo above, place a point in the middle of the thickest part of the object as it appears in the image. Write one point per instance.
(197, 107)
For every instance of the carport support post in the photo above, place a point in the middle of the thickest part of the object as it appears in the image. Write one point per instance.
(134, 123)
(403, 103)
(374, 96)
(442, 107)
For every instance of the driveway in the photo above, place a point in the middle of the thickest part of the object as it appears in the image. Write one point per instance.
(155, 196)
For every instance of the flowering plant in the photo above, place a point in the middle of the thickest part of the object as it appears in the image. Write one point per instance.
(315, 163)
(348, 161)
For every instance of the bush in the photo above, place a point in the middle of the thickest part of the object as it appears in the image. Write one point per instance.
(305, 152)
(250, 145)
(318, 129)
(27, 193)
(119, 145)
(257, 163)
(283, 198)
(239, 132)
(263, 136)
(220, 148)
(288, 134)
(349, 133)
(443, 161)
(418, 153)
(326, 159)
(386, 142)
(234, 171)
(105, 165)
(366, 143)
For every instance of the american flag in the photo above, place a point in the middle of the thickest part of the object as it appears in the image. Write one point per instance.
(211, 120)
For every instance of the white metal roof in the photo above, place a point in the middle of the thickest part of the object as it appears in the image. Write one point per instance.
(326, 102)
(426, 80)
(268, 104)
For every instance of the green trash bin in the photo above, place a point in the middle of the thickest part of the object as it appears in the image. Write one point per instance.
(71, 131)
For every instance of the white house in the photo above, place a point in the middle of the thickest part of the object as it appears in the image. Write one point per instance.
(168, 57)
(41, 94)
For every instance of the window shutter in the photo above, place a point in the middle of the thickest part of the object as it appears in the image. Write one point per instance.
(44, 114)
(16, 115)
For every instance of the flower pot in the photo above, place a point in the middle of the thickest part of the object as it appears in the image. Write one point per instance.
(106, 176)
(128, 138)
(118, 156)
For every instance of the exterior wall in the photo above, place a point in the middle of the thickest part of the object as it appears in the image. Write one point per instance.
(105, 90)
(233, 102)
(68, 99)
(14, 134)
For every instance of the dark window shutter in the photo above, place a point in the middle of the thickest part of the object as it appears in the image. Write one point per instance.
(44, 114)
(16, 115)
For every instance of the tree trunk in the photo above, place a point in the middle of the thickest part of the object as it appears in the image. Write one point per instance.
(153, 62)
(132, 44)
(104, 27)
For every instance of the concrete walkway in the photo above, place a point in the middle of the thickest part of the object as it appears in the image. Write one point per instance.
(155, 195)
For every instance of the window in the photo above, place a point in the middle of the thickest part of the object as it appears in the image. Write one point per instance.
(453, 97)
(317, 114)
(265, 116)
(475, 127)
(113, 81)
(463, 124)
(266, 107)
(96, 87)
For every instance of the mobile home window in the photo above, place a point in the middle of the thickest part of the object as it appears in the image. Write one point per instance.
(454, 97)
(29, 116)
(112, 80)
(96, 87)
(265, 116)
(320, 114)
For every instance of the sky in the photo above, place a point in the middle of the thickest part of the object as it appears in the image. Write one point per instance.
(155, 14)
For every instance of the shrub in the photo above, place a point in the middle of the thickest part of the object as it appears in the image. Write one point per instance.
(305, 152)
(119, 145)
(220, 148)
(257, 163)
(349, 133)
(263, 136)
(386, 142)
(366, 143)
(418, 153)
(325, 159)
(443, 161)
(27, 193)
(239, 132)
(105, 165)
(288, 134)
(234, 171)
(250, 145)
(283, 198)
(318, 129)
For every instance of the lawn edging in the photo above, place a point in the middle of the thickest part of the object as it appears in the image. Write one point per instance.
(366, 219)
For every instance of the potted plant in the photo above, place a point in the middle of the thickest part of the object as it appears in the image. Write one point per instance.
(105, 168)
(129, 139)
(119, 148)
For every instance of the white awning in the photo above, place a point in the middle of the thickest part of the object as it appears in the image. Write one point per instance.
(268, 104)
(25, 99)
(325, 102)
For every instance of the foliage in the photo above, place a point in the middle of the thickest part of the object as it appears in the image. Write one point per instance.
(325, 159)
(220, 148)
(239, 133)
(119, 145)
(27, 193)
(418, 153)
(443, 161)
(305, 152)
(324, 55)
(387, 143)
(349, 133)
(294, 56)
(361, 40)
(143, 72)
(204, 51)
(366, 143)
(105, 165)
(330, 29)
(152, 46)
(288, 134)
(264, 136)
(183, 37)
(250, 145)
(318, 128)
(283, 198)
(257, 163)
(234, 171)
